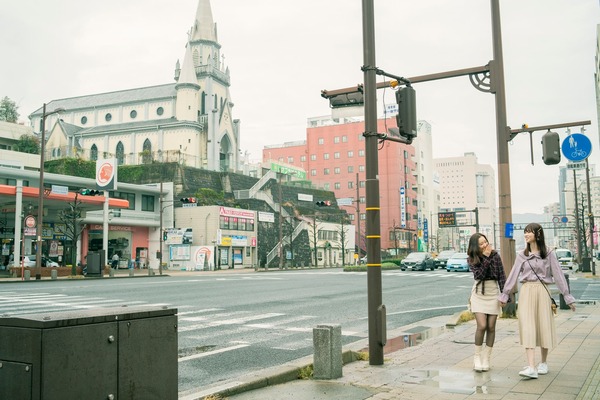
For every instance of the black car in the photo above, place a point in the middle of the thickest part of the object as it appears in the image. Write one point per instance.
(417, 261)
(443, 257)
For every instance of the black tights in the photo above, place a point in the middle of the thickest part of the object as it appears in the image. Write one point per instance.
(486, 325)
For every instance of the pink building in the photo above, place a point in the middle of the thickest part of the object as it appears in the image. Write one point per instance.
(333, 157)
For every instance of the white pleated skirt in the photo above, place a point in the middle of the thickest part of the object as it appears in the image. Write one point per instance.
(536, 321)
(485, 303)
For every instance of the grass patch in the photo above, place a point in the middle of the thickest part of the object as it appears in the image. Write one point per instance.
(305, 372)
(214, 397)
(363, 268)
(465, 316)
(362, 356)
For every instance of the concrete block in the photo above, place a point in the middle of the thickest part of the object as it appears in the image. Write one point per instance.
(131, 273)
(54, 274)
(327, 358)
(111, 273)
(27, 275)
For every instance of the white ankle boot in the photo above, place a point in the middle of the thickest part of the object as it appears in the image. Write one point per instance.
(477, 359)
(486, 355)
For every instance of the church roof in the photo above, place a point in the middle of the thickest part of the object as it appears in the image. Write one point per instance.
(137, 125)
(110, 98)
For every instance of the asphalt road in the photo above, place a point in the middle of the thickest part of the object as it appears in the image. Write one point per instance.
(232, 324)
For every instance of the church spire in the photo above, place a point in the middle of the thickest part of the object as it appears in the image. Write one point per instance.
(204, 27)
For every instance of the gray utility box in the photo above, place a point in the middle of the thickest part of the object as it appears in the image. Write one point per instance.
(95, 263)
(102, 353)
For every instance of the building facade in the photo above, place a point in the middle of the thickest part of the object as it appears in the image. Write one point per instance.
(189, 121)
(467, 189)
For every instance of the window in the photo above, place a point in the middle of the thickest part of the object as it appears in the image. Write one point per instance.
(133, 114)
(361, 184)
(147, 202)
(361, 153)
(147, 152)
(94, 153)
(336, 155)
(321, 141)
(344, 139)
(336, 139)
(363, 200)
(350, 154)
(120, 153)
(83, 120)
(125, 196)
(350, 184)
(290, 160)
(326, 186)
(361, 138)
(361, 168)
(224, 222)
(337, 186)
(326, 171)
(108, 117)
(325, 156)
(302, 158)
(160, 111)
(313, 157)
(336, 170)
(350, 168)
(313, 172)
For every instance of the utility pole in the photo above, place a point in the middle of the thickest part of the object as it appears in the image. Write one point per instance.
(577, 219)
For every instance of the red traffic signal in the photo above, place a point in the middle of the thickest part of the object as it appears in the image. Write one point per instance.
(188, 200)
(326, 203)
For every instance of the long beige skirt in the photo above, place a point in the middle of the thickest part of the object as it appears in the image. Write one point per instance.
(485, 303)
(536, 321)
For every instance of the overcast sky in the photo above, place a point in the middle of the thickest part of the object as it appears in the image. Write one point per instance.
(283, 53)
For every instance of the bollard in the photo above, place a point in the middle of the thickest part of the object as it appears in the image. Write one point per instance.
(111, 273)
(27, 275)
(131, 273)
(563, 305)
(327, 358)
(54, 274)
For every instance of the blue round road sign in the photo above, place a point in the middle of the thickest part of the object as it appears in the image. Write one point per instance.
(576, 147)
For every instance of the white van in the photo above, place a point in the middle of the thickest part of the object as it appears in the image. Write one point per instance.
(566, 259)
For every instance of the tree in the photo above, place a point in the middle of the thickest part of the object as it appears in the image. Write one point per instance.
(28, 144)
(72, 227)
(8, 110)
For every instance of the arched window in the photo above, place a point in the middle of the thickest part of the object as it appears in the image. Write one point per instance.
(94, 153)
(120, 154)
(147, 152)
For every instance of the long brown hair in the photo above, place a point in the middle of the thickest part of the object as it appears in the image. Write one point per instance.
(474, 252)
(538, 232)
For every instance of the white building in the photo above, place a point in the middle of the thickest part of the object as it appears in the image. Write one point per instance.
(466, 186)
(189, 121)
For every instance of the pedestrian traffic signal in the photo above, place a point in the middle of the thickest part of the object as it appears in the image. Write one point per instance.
(91, 192)
(187, 200)
(551, 148)
(165, 236)
(326, 203)
(407, 113)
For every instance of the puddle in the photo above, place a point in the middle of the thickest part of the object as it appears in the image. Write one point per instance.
(449, 381)
(413, 337)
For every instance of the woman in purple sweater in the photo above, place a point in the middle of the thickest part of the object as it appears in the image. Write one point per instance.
(536, 267)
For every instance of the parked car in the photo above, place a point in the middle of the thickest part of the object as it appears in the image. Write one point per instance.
(442, 258)
(46, 262)
(566, 259)
(29, 261)
(417, 261)
(458, 262)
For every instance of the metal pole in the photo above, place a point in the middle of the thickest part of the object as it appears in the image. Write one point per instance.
(590, 216)
(160, 233)
(40, 221)
(358, 215)
(280, 227)
(375, 308)
(502, 136)
(577, 219)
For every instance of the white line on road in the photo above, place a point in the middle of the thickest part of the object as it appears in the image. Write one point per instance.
(210, 353)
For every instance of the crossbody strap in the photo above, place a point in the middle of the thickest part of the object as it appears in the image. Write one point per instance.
(545, 287)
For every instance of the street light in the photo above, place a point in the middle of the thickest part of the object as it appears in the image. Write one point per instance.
(38, 258)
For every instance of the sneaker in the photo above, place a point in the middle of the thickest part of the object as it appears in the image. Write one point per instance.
(529, 372)
(542, 368)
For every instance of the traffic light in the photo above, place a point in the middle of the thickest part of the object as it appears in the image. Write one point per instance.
(165, 236)
(91, 192)
(407, 112)
(187, 200)
(550, 148)
(326, 203)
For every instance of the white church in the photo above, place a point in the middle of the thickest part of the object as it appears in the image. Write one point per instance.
(188, 121)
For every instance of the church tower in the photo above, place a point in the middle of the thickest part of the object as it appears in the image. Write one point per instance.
(214, 105)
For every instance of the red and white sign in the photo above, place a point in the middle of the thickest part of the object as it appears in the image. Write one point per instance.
(30, 221)
(106, 174)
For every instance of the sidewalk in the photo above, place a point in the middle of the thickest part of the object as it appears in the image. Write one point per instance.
(441, 368)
